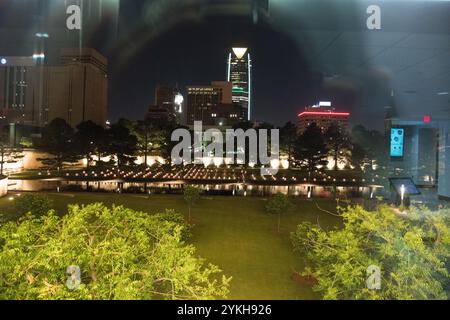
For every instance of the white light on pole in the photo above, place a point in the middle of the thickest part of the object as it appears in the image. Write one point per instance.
(402, 193)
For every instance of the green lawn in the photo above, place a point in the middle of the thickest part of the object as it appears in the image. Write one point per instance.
(234, 233)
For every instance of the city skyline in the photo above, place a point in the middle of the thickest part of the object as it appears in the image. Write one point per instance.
(292, 70)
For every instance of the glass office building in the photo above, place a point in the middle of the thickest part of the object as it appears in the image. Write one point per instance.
(240, 75)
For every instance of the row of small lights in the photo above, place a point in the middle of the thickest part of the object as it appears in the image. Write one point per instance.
(192, 173)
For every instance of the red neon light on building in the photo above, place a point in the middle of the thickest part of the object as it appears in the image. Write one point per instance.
(427, 119)
(337, 114)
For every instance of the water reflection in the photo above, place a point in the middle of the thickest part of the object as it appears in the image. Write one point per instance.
(176, 187)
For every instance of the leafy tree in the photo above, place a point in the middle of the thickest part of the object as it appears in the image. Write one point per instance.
(359, 157)
(26, 142)
(244, 125)
(121, 254)
(412, 253)
(191, 196)
(288, 136)
(121, 143)
(178, 219)
(166, 149)
(278, 205)
(337, 142)
(265, 126)
(142, 131)
(36, 204)
(89, 140)
(57, 141)
(310, 149)
(374, 144)
(154, 136)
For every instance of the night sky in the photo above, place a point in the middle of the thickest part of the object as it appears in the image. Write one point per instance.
(306, 51)
(165, 42)
(194, 52)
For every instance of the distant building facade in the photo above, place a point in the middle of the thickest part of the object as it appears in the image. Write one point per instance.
(213, 105)
(75, 89)
(157, 113)
(169, 101)
(324, 116)
(239, 73)
(165, 96)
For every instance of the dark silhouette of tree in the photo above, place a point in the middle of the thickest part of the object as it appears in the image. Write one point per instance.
(166, 149)
(244, 125)
(310, 149)
(288, 136)
(373, 142)
(359, 157)
(89, 140)
(121, 143)
(191, 195)
(57, 142)
(154, 136)
(338, 143)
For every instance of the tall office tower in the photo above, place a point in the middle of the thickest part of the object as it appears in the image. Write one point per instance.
(165, 97)
(240, 75)
(75, 89)
(213, 105)
(169, 100)
(17, 77)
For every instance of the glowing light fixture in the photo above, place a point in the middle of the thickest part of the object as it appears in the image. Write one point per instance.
(325, 104)
(3, 61)
(338, 114)
(179, 98)
(239, 52)
(275, 164)
(42, 35)
(38, 56)
(402, 193)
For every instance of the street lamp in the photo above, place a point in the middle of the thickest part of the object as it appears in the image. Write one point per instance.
(402, 193)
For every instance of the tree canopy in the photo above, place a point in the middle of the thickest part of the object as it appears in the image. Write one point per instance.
(90, 140)
(121, 254)
(338, 143)
(310, 149)
(278, 205)
(412, 253)
(34, 203)
(121, 143)
(57, 141)
(191, 195)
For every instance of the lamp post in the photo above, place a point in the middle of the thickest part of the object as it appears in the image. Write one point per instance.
(402, 194)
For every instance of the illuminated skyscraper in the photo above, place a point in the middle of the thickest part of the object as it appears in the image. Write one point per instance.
(240, 75)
